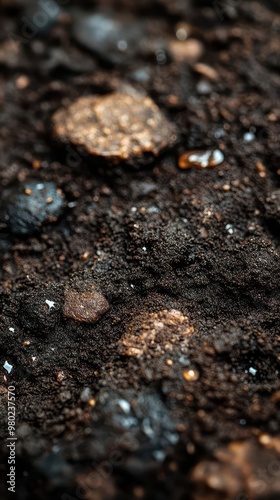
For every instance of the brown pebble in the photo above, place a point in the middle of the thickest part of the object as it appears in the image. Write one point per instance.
(36, 164)
(187, 51)
(261, 169)
(26, 343)
(22, 82)
(60, 376)
(85, 256)
(118, 126)
(206, 71)
(86, 307)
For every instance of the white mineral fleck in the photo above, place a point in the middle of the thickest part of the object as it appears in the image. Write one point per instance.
(252, 370)
(50, 303)
(8, 367)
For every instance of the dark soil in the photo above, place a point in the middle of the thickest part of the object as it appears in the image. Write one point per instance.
(92, 422)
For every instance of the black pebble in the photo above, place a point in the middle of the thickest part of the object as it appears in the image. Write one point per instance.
(25, 213)
(103, 34)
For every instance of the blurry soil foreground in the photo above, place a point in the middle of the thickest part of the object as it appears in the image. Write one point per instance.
(139, 247)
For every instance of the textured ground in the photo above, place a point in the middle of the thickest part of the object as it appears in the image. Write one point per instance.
(174, 392)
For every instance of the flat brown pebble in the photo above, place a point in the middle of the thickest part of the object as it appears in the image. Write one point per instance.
(207, 71)
(118, 126)
(186, 51)
(85, 307)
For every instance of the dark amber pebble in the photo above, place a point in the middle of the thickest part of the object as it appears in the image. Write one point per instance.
(85, 307)
(118, 126)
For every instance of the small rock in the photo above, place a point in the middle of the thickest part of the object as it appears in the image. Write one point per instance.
(86, 307)
(201, 159)
(32, 205)
(60, 376)
(117, 126)
(206, 71)
(187, 51)
(115, 39)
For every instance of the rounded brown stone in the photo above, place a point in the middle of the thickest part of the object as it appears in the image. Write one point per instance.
(117, 126)
(86, 307)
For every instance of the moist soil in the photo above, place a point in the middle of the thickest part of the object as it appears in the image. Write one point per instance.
(92, 421)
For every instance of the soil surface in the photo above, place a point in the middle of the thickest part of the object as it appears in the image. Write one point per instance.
(168, 387)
